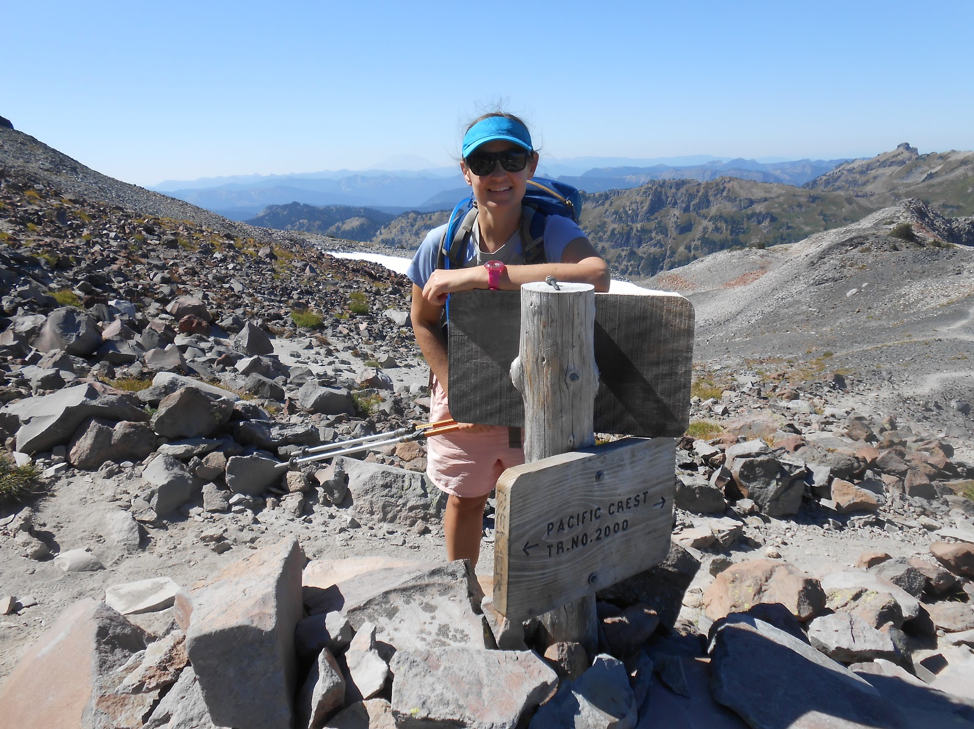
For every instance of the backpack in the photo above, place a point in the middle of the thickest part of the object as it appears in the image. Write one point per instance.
(543, 198)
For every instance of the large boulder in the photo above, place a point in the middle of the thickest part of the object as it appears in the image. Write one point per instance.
(767, 484)
(52, 419)
(743, 585)
(98, 441)
(191, 413)
(252, 340)
(239, 627)
(171, 484)
(69, 329)
(67, 679)
(326, 400)
(391, 495)
(600, 698)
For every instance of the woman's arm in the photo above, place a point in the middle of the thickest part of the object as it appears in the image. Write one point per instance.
(425, 318)
(580, 263)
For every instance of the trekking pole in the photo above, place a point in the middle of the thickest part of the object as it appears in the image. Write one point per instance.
(357, 445)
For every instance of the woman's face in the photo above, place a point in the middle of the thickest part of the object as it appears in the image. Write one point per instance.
(500, 189)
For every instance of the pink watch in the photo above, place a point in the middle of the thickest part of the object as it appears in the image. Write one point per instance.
(494, 271)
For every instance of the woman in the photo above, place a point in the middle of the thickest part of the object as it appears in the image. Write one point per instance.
(498, 159)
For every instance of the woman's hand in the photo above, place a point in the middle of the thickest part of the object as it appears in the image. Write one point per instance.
(443, 282)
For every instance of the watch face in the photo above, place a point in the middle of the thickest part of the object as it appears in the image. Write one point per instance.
(494, 265)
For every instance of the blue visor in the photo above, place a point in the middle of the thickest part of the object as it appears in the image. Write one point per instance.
(493, 128)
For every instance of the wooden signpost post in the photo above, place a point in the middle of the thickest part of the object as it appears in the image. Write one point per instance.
(563, 363)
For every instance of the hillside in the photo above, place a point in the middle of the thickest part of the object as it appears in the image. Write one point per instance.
(943, 180)
(336, 221)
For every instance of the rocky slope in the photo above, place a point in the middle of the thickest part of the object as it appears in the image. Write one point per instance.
(336, 221)
(940, 179)
(161, 373)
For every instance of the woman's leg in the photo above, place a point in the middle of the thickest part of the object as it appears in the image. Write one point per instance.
(463, 527)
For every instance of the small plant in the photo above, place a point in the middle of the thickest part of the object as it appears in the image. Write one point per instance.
(84, 216)
(903, 231)
(186, 245)
(31, 227)
(705, 390)
(306, 319)
(50, 258)
(32, 194)
(129, 384)
(359, 303)
(67, 297)
(371, 363)
(366, 404)
(704, 429)
(967, 490)
(16, 482)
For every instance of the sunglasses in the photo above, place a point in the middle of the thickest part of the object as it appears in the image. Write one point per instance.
(512, 160)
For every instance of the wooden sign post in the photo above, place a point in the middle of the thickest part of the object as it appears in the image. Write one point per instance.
(575, 518)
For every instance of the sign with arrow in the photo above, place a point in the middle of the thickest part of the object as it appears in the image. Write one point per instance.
(569, 525)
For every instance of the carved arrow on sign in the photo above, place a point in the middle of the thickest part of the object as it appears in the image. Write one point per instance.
(659, 504)
(527, 547)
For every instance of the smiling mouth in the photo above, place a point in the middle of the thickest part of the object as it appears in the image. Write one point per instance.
(500, 189)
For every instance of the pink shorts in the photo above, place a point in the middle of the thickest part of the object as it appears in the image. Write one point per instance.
(467, 465)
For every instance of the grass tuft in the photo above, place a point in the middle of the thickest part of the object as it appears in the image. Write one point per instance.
(129, 384)
(705, 390)
(16, 482)
(306, 318)
(704, 429)
(67, 297)
(366, 404)
(359, 303)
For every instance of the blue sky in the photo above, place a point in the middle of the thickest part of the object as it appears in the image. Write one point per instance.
(148, 91)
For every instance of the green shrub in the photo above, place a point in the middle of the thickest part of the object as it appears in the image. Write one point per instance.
(306, 318)
(365, 404)
(130, 384)
(704, 429)
(903, 231)
(967, 490)
(359, 303)
(16, 482)
(67, 297)
(705, 390)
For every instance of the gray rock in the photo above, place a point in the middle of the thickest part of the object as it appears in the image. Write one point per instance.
(183, 707)
(167, 383)
(78, 560)
(697, 495)
(853, 580)
(398, 317)
(172, 485)
(169, 359)
(918, 705)
(325, 400)
(263, 387)
(69, 329)
(848, 638)
(118, 352)
(390, 495)
(188, 306)
(765, 482)
(98, 441)
(901, 574)
(367, 672)
(144, 596)
(212, 466)
(600, 699)
(121, 530)
(472, 688)
(269, 435)
(51, 420)
(321, 694)
(214, 499)
(800, 687)
(252, 475)
(254, 603)
(252, 340)
(191, 413)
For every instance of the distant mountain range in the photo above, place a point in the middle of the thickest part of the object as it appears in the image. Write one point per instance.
(241, 198)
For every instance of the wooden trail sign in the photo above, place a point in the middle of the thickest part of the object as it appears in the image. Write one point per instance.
(643, 351)
(574, 523)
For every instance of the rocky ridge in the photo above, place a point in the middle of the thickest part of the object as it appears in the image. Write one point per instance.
(169, 515)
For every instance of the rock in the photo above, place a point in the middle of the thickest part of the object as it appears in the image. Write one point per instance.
(414, 607)
(661, 587)
(508, 635)
(857, 582)
(939, 581)
(871, 559)
(901, 574)
(568, 659)
(252, 475)
(51, 420)
(212, 466)
(169, 359)
(144, 596)
(252, 340)
(957, 558)
(800, 687)
(467, 687)
(663, 707)
(318, 632)
(321, 694)
(325, 400)
(98, 441)
(367, 672)
(764, 581)
(78, 560)
(167, 383)
(215, 500)
(847, 638)
(849, 498)
(390, 495)
(952, 617)
(296, 482)
(626, 633)
(601, 698)
(121, 530)
(371, 714)
(263, 387)
(765, 482)
(188, 306)
(913, 700)
(80, 655)
(257, 603)
(183, 707)
(172, 485)
(697, 495)
(159, 667)
(71, 330)
(191, 413)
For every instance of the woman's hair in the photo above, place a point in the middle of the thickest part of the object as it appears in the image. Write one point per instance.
(489, 114)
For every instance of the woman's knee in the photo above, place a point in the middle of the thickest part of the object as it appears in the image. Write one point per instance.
(467, 504)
